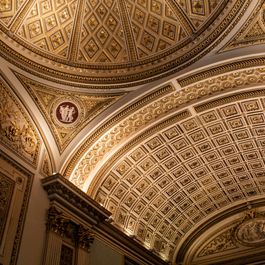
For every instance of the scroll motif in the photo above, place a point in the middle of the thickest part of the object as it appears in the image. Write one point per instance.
(219, 244)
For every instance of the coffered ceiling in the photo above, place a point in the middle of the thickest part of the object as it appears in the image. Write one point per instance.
(153, 108)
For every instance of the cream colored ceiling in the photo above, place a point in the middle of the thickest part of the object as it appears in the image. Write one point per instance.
(165, 157)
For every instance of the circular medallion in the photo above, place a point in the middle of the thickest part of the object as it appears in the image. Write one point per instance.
(251, 232)
(66, 113)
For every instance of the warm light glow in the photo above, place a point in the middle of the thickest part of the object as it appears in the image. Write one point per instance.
(147, 245)
(128, 232)
(164, 257)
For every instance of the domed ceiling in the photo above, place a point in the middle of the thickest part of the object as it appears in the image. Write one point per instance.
(168, 159)
(107, 41)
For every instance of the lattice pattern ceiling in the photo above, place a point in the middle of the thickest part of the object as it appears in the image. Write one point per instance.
(164, 186)
(101, 39)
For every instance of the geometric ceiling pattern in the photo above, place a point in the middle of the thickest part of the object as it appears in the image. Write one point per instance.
(163, 158)
(140, 116)
(165, 185)
(107, 41)
(48, 26)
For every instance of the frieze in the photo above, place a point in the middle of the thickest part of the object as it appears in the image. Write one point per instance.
(225, 100)
(224, 69)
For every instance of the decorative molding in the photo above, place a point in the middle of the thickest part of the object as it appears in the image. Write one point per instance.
(250, 231)
(187, 95)
(196, 166)
(154, 101)
(225, 69)
(178, 117)
(7, 189)
(27, 180)
(219, 244)
(56, 185)
(211, 23)
(252, 32)
(66, 228)
(46, 168)
(229, 99)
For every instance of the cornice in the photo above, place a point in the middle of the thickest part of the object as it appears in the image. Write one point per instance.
(60, 189)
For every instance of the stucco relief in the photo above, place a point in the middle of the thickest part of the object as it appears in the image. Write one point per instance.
(220, 243)
(15, 188)
(16, 131)
(67, 112)
(251, 232)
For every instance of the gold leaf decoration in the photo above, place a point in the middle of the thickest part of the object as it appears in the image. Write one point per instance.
(253, 31)
(16, 130)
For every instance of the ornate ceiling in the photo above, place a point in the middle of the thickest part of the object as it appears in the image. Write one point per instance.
(107, 42)
(177, 161)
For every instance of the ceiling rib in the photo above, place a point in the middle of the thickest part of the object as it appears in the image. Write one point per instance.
(131, 46)
(20, 16)
(185, 22)
(76, 32)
